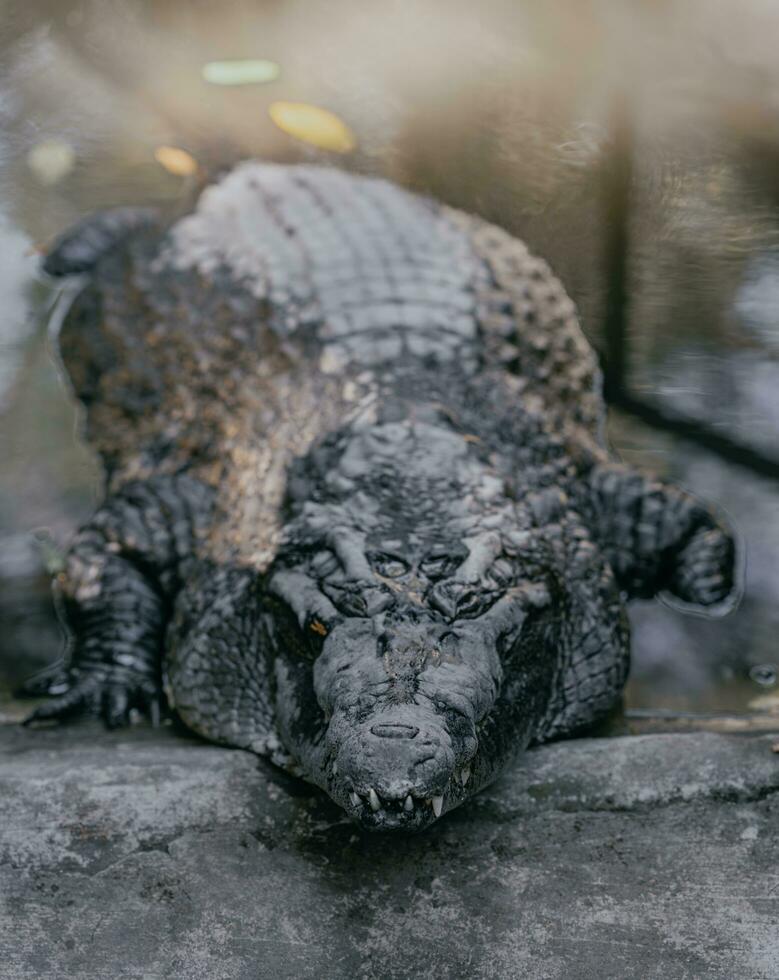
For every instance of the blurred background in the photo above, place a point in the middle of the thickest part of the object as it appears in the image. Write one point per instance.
(635, 145)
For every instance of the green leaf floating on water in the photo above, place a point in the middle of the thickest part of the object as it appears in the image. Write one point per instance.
(252, 71)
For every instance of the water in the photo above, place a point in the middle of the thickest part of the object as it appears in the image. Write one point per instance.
(509, 112)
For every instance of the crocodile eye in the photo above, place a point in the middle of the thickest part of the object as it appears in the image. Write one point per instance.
(461, 600)
(500, 574)
(323, 564)
(438, 567)
(474, 602)
(390, 566)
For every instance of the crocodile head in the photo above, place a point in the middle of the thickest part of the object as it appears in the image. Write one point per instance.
(413, 625)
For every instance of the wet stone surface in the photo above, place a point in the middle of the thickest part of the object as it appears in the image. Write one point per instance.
(148, 854)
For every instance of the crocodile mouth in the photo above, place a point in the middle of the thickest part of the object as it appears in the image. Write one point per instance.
(410, 811)
(390, 774)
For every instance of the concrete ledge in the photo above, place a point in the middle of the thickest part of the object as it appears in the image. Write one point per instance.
(148, 854)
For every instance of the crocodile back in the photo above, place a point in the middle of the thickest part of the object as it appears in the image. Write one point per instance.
(252, 318)
(368, 270)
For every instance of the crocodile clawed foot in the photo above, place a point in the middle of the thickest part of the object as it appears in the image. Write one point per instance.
(704, 572)
(49, 682)
(472, 588)
(107, 694)
(360, 598)
(303, 595)
(336, 579)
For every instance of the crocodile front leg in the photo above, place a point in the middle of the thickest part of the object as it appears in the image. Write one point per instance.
(217, 667)
(114, 596)
(659, 538)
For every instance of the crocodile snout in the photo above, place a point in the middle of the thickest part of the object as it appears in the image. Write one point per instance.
(402, 712)
(395, 774)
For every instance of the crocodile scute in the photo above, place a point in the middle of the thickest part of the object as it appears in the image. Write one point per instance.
(360, 516)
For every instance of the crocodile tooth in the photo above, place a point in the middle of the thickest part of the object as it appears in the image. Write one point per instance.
(408, 804)
(465, 775)
(438, 805)
(355, 798)
(373, 800)
(335, 768)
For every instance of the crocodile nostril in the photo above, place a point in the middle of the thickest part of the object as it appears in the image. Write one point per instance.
(394, 731)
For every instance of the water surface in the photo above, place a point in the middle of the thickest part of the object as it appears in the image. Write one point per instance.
(510, 113)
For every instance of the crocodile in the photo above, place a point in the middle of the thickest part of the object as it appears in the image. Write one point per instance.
(360, 514)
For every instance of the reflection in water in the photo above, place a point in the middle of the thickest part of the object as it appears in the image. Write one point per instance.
(506, 110)
(757, 300)
(736, 391)
(17, 268)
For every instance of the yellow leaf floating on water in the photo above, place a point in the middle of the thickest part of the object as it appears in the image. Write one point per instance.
(309, 123)
(254, 71)
(175, 160)
(51, 160)
(766, 702)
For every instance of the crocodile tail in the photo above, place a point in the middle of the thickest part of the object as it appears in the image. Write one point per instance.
(102, 330)
(79, 249)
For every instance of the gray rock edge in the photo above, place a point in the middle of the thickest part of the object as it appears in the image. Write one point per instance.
(144, 854)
